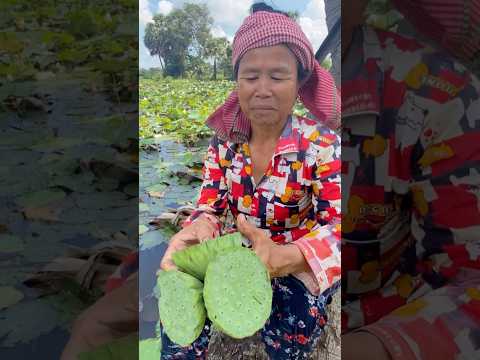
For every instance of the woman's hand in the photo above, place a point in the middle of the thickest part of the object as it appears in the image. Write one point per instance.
(113, 316)
(199, 231)
(280, 260)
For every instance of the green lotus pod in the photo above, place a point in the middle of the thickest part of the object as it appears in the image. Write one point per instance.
(180, 305)
(149, 349)
(195, 259)
(238, 293)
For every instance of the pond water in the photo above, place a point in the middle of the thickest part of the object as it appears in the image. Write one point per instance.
(54, 194)
(157, 178)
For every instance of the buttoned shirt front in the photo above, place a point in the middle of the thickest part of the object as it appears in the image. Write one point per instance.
(297, 200)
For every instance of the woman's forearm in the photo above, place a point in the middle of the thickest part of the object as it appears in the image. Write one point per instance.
(291, 259)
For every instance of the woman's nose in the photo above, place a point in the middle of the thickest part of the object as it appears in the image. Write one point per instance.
(263, 87)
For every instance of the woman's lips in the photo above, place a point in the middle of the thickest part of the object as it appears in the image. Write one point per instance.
(263, 108)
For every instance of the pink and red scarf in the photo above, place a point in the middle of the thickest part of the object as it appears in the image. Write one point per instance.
(453, 24)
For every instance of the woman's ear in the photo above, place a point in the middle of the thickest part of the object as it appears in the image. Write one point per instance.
(302, 81)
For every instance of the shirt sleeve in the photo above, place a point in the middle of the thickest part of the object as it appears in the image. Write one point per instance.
(321, 246)
(212, 202)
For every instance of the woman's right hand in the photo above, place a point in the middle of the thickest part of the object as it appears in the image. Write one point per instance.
(199, 231)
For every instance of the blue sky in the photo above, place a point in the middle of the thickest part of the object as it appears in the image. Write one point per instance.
(228, 16)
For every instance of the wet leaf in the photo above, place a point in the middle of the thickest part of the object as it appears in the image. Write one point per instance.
(101, 200)
(131, 189)
(151, 239)
(82, 23)
(40, 198)
(46, 213)
(9, 296)
(25, 103)
(17, 71)
(106, 184)
(142, 229)
(26, 321)
(72, 56)
(57, 38)
(57, 143)
(10, 244)
(10, 43)
(157, 190)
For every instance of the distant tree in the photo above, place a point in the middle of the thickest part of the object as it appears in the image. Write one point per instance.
(216, 49)
(174, 36)
(294, 14)
(196, 67)
(327, 63)
(152, 73)
(226, 64)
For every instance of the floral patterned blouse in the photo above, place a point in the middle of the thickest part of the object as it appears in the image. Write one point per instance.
(411, 190)
(297, 200)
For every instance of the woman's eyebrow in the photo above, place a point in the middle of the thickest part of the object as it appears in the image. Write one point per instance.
(249, 69)
(278, 69)
(281, 69)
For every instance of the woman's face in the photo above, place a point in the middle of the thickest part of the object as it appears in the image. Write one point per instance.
(267, 84)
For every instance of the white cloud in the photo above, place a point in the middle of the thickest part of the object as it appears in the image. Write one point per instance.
(315, 9)
(217, 31)
(144, 13)
(229, 12)
(313, 22)
(164, 7)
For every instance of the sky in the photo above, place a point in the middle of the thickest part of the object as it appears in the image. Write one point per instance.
(228, 15)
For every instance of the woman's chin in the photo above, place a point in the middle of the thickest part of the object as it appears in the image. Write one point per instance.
(265, 118)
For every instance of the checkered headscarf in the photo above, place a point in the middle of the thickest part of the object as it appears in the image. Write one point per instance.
(318, 92)
(453, 24)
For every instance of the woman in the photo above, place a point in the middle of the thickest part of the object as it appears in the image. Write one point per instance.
(279, 176)
(281, 171)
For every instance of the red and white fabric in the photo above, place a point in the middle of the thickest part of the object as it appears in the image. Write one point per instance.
(454, 24)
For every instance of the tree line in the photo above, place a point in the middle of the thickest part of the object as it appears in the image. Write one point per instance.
(185, 46)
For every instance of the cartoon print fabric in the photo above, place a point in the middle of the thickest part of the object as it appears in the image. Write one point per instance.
(297, 201)
(411, 195)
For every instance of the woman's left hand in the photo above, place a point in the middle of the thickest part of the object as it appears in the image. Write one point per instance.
(280, 260)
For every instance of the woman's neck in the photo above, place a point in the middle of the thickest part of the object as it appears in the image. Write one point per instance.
(262, 134)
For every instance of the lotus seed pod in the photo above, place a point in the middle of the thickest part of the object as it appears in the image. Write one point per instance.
(181, 308)
(195, 259)
(238, 293)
